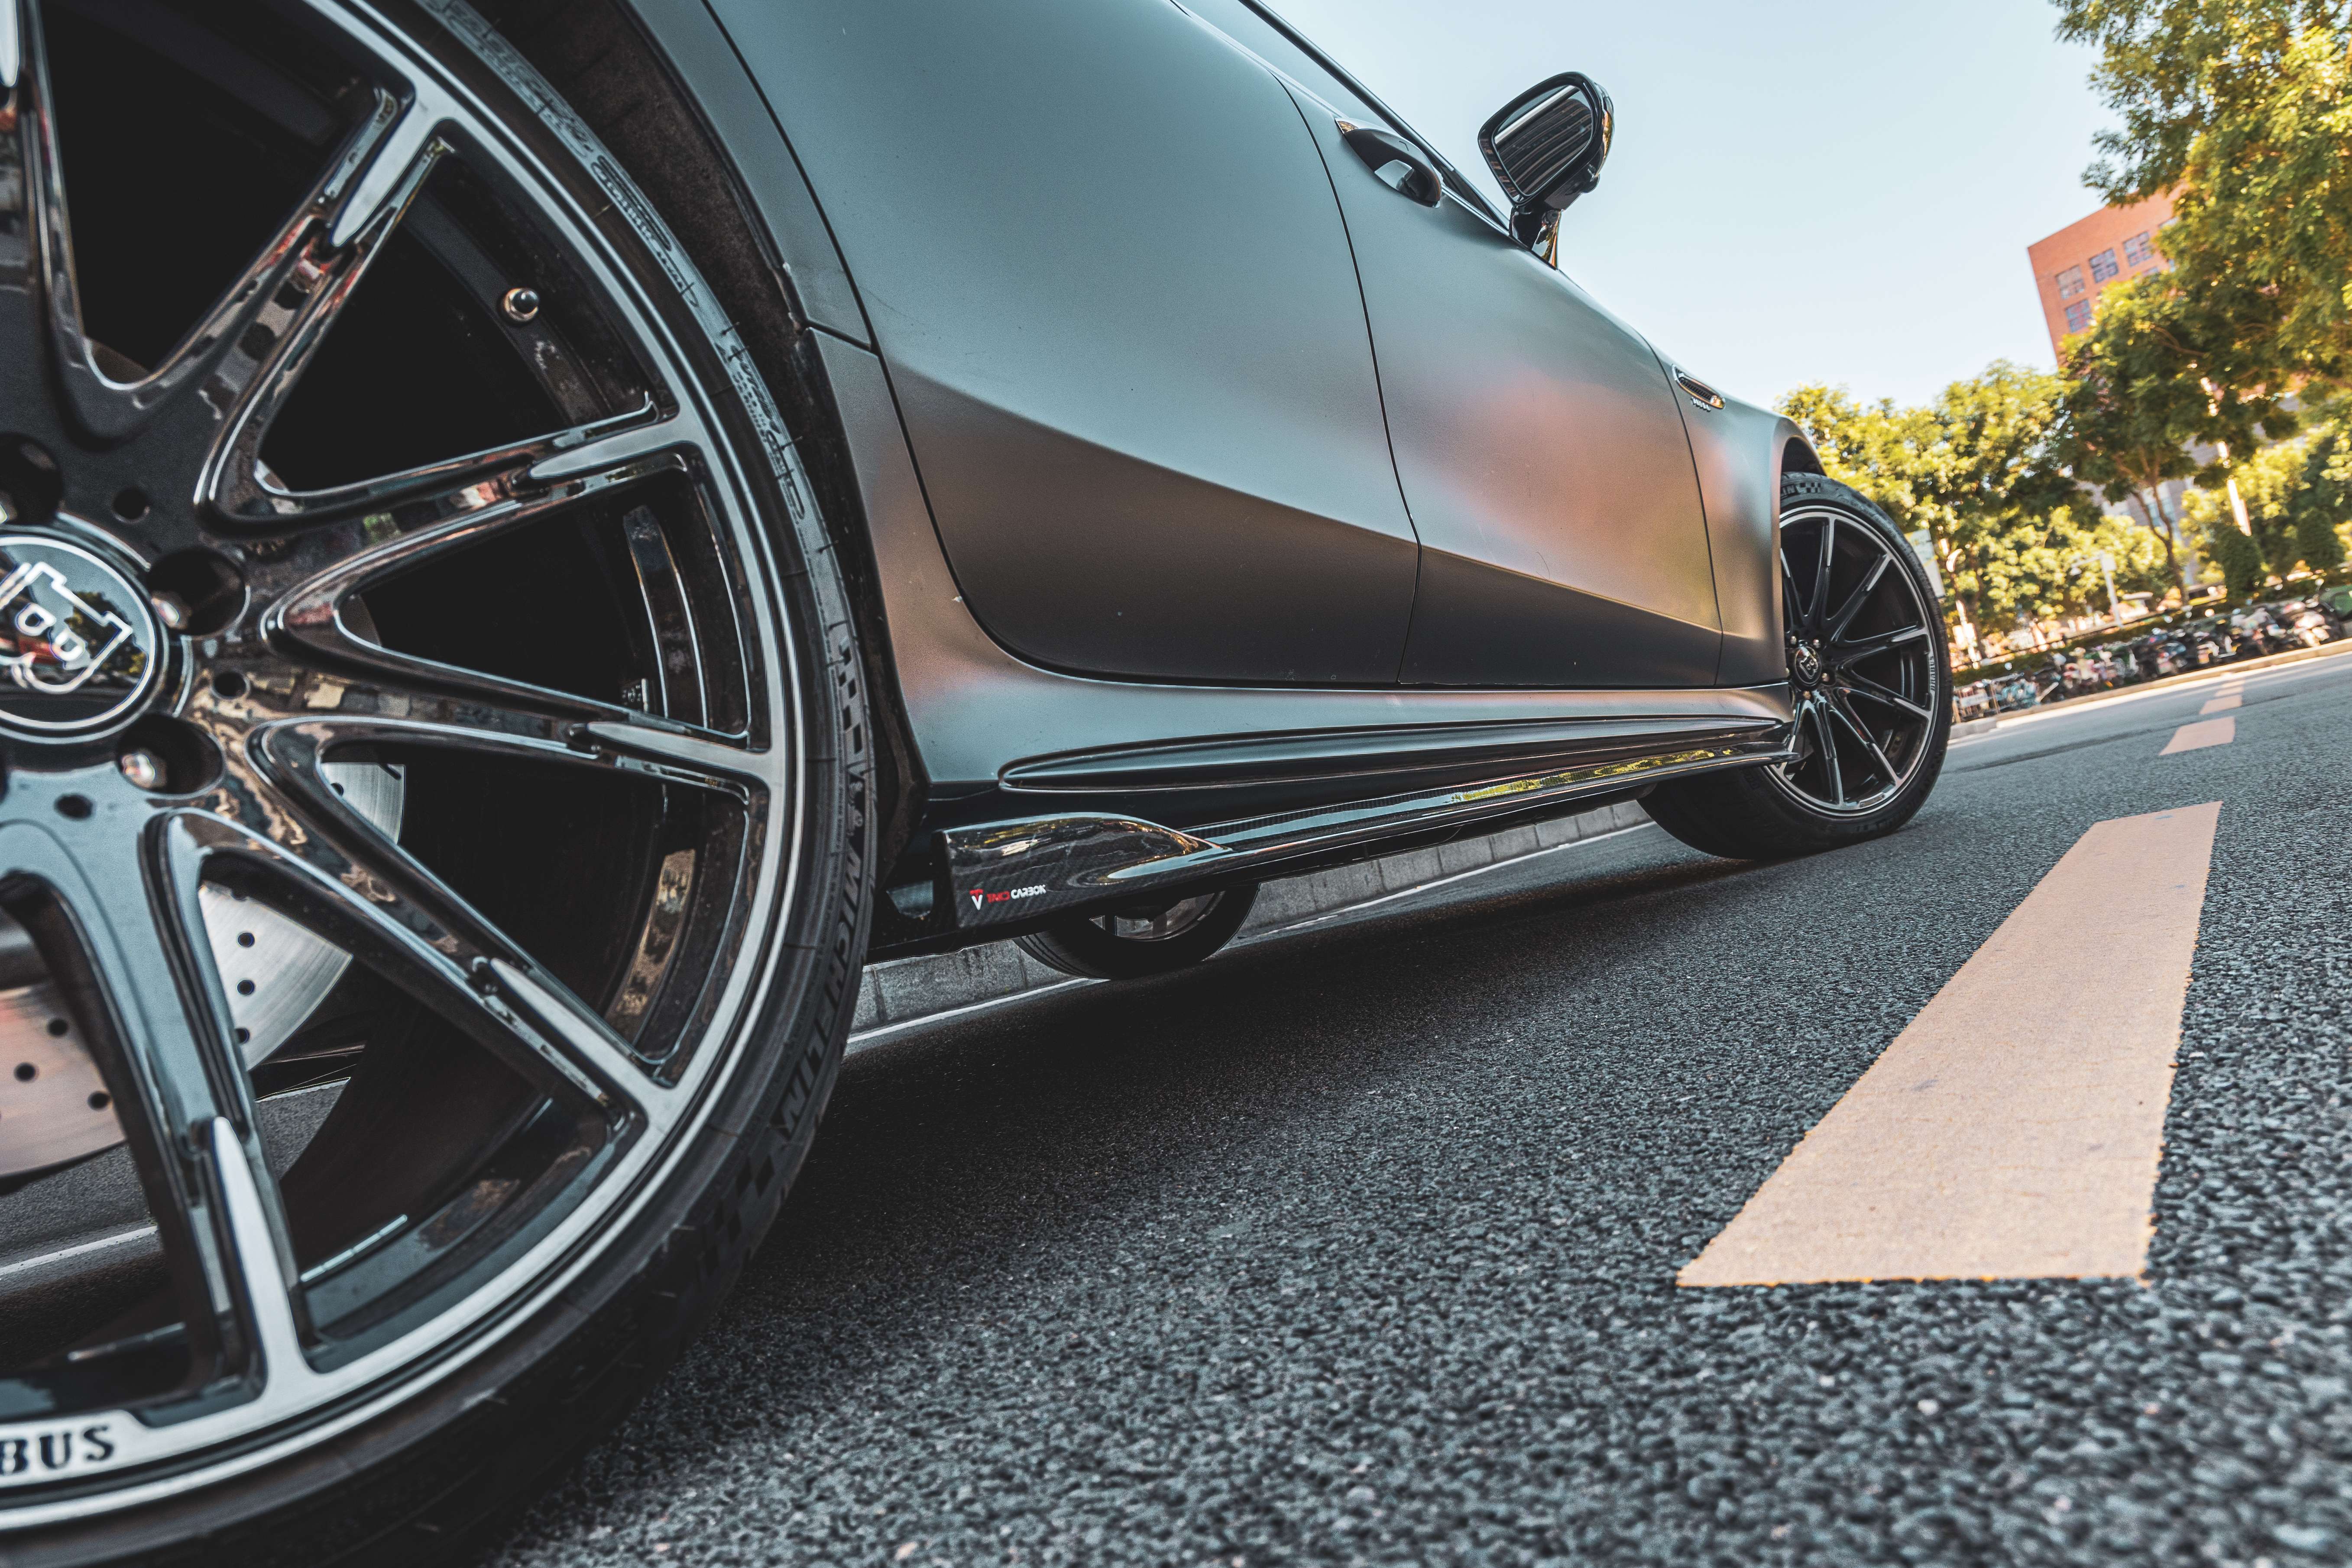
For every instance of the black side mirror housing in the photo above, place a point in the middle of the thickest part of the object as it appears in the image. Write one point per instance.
(1545, 148)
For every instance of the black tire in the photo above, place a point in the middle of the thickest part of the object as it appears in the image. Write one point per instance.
(1778, 811)
(429, 1475)
(1093, 947)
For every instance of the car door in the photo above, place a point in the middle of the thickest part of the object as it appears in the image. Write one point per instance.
(1536, 438)
(1106, 272)
(1541, 453)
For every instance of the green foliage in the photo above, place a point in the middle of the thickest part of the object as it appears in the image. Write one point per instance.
(2238, 556)
(2296, 494)
(2242, 110)
(1976, 470)
(2320, 508)
(2317, 543)
(2142, 564)
(2131, 407)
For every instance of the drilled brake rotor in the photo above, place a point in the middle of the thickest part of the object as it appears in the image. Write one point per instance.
(54, 1104)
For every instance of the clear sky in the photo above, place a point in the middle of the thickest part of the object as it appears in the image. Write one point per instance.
(1813, 190)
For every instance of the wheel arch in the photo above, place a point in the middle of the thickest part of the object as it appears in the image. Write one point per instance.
(1797, 454)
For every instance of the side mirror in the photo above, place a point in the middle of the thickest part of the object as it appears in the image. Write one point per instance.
(1547, 146)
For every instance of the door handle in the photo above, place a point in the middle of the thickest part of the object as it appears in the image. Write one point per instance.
(1382, 150)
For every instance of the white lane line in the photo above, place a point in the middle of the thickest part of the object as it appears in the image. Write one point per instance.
(2204, 733)
(2013, 1130)
(2221, 702)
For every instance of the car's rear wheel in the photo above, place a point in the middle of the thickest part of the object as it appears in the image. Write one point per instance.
(1133, 940)
(1870, 683)
(433, 853)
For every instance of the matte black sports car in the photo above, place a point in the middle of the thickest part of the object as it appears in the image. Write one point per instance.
(533, 541)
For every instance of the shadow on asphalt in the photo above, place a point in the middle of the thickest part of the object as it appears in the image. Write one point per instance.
(957, 1148)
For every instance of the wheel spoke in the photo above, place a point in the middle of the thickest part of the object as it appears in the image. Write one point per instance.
(1858, 685)
(1855, 600)
(1827, 742)
(295, 260)
(297, 716)
(130, 903)
(562, 466)
(331, 565)
(1820, 606)
(1852, 721)
(296, 320)
(687, 756)
(1865, 647)
(11, 48)
(261, 1265)
(125, 905)
(111, 406)
(337, 875)
(411, 143)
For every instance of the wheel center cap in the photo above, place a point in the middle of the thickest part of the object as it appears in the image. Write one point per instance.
(80, 648)
(1805, 660)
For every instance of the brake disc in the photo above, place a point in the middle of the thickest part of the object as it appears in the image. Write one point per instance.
(54, 1102)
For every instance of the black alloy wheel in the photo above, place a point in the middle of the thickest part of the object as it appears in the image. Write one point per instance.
(1869, 692)
(431, 855)
(1864, 673)
(1131, 942)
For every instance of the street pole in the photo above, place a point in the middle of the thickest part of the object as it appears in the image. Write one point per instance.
(2107, 570)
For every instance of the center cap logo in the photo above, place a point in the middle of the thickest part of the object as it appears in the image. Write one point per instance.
(79, 647)
(1808, 664)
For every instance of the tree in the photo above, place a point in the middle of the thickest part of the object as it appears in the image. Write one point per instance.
(2242, 110)
(1976, 470)
(2319, 509)
(2238, 556)
(2131, 406)
(2296, 494)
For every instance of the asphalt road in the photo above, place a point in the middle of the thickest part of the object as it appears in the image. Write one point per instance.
(1359, 1245)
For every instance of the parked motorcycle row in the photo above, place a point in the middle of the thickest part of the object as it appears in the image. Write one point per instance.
(2247, 633)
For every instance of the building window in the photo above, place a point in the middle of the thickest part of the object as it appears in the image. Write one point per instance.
(2078, 316)
(2103, 266)
(2070, 282)
(2138, 251)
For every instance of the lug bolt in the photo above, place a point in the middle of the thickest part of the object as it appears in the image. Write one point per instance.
(522, 305)
(8, 508)
(143, 769)
(171, 610)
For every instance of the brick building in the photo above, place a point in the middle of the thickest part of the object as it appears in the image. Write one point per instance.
(2072, 267)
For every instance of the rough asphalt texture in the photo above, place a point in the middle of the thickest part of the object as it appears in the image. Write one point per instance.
(1360, 1245)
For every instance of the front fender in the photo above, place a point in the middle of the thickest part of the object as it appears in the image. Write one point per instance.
(1741, 450)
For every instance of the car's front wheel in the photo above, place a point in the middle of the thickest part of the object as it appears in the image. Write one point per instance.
(433, 842)
(1870, 685)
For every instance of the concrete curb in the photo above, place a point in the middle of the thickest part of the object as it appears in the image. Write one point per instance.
(906, 990)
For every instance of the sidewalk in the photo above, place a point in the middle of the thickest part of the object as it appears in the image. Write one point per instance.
(2210, 672)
